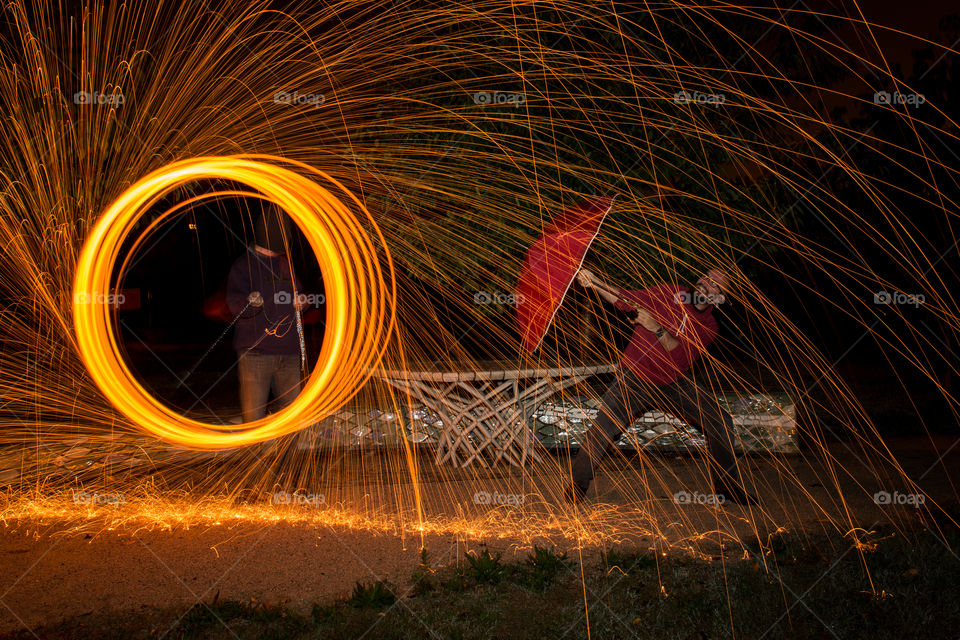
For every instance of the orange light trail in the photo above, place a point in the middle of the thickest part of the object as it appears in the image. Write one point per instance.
(359, 314)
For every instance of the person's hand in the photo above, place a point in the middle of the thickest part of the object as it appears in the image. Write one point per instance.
(645, 319)
(585, 278)
(255, 299)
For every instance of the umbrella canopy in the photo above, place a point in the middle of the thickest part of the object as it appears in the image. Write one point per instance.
(551, 264)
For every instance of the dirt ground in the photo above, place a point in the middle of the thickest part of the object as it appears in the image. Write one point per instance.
(50, 576)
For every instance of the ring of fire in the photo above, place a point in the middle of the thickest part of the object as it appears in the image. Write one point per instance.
(360, 312)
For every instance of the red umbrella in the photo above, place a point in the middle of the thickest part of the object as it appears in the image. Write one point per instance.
(552, 262)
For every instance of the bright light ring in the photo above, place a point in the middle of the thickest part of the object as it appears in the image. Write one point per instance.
(360, 310)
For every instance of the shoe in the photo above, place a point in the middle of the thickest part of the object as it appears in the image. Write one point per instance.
(734, 493)
(575, 494)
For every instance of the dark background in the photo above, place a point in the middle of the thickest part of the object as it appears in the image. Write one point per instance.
(185, 265)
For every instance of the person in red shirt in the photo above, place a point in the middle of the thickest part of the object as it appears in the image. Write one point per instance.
(673, 326)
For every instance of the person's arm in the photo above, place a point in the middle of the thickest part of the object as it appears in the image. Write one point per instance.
(589, 281)
(238, 292)
(667, 340)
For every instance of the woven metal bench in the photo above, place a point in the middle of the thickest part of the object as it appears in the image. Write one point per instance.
(485, 411)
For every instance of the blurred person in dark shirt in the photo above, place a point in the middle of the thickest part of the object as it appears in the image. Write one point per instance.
(264, 291)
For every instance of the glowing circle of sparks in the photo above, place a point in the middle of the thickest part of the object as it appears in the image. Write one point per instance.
(359, 292)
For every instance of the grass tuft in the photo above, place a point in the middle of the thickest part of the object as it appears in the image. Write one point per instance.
(616, 561)
(374, 595)
(423, 577)
(542, 568)
(485, 568)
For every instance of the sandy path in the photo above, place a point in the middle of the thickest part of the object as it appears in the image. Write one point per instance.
(48, 577)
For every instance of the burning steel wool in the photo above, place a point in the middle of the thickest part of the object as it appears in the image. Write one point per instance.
(359, 314)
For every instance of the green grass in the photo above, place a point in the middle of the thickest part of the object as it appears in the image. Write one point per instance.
(626, 562)
(484, 568)
(376, 595)
(544, 567)
(787, 587)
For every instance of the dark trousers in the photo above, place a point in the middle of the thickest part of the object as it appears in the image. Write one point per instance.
(629, 397)
(259, 373)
